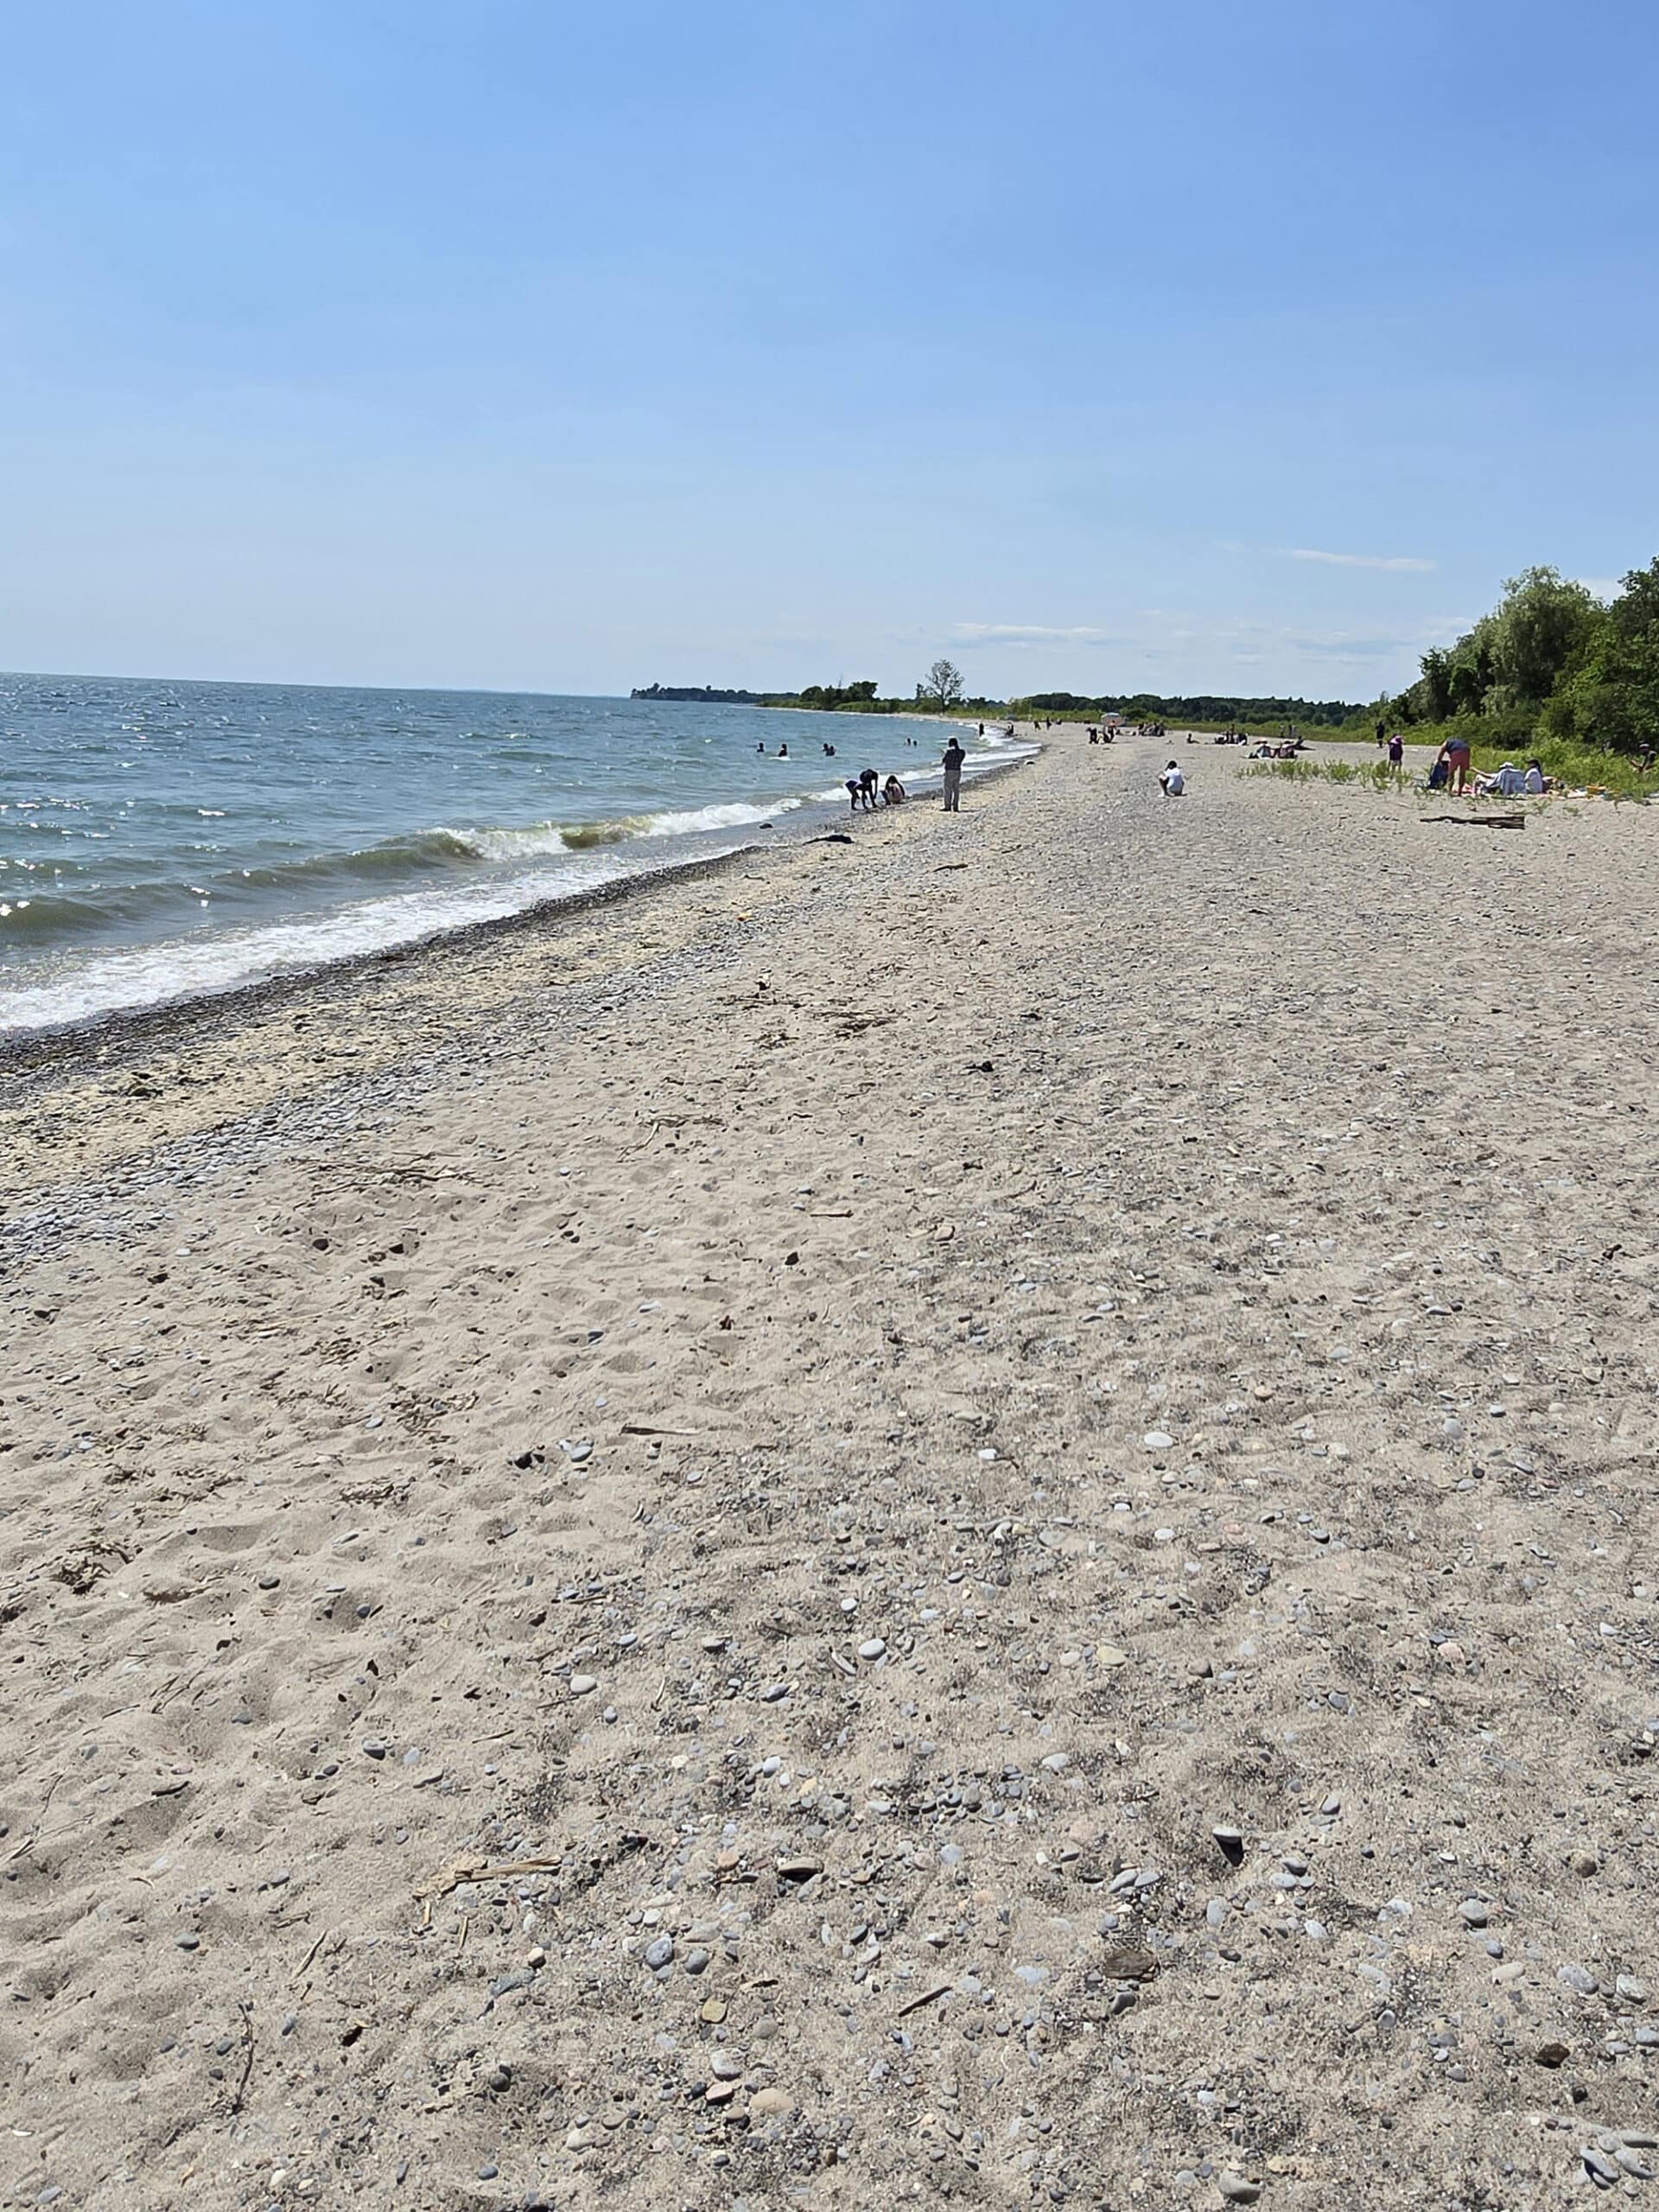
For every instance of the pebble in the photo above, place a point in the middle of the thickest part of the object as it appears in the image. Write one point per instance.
(872, 1647)
(1473, 1913)
(1236, 2190)
(188, 1942)
(373, 1748)
(1157, 1439)
(270, 1581)
(581, 1684)
(769, 2103)
(660, 1952)
(1579, 1978)
(575, 1448)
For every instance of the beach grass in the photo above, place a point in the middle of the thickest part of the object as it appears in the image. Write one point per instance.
(1570, 768)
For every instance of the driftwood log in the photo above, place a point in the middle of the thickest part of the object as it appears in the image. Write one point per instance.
(1482, 821)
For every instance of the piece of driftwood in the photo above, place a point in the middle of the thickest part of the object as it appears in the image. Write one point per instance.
(1482, 821)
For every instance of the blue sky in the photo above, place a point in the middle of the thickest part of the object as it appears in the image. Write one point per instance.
(1237, 347)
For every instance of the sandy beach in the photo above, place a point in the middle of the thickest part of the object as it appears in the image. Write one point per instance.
(966, 1515)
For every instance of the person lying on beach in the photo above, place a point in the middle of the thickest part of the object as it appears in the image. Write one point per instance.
(1172, 783)
(892, 793)
(1508, 783)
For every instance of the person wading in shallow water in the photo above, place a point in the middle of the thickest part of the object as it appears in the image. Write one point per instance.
(953, 758)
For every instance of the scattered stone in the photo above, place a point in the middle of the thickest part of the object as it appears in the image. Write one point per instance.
(1157, 1439)
(581, 1684)
(659, 1952)
(1552, 2054)
(1230, 1841)
(799, 1869)
(771, 2103)
(1236, 2189)
(1473, 1913)
(1586, 1862)
(872, 1647)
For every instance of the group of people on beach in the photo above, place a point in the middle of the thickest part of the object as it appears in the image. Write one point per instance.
(867, 788)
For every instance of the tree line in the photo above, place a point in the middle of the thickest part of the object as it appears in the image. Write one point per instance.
(1551, 661)
(1205, 707)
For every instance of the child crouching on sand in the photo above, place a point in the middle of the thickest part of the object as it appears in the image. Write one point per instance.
(1172, 783)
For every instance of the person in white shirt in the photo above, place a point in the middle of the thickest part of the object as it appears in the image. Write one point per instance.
(1172, 783)
(1536, 780)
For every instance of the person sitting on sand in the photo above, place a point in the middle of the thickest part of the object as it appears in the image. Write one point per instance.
(951, 759)
(1534, 782)
(1172, 783)
(892, 793)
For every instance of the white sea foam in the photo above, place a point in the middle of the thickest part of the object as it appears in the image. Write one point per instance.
(155, 974)
(736, 816)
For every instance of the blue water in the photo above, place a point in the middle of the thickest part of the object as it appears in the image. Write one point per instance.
(159, 840)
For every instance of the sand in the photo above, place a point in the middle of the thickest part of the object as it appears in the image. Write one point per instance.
(638, 1555)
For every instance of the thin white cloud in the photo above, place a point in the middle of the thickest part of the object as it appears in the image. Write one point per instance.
(1392, 561)
(1603, 586)
(1027, 634)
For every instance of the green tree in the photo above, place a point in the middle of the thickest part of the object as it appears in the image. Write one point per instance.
(941, 686)
(1610, 696)
(1542, 622)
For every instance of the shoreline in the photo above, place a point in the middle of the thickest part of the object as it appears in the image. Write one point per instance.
(239, 1042)
(801, 819)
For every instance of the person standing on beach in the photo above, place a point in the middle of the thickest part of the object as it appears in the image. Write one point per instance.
(952, 759)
